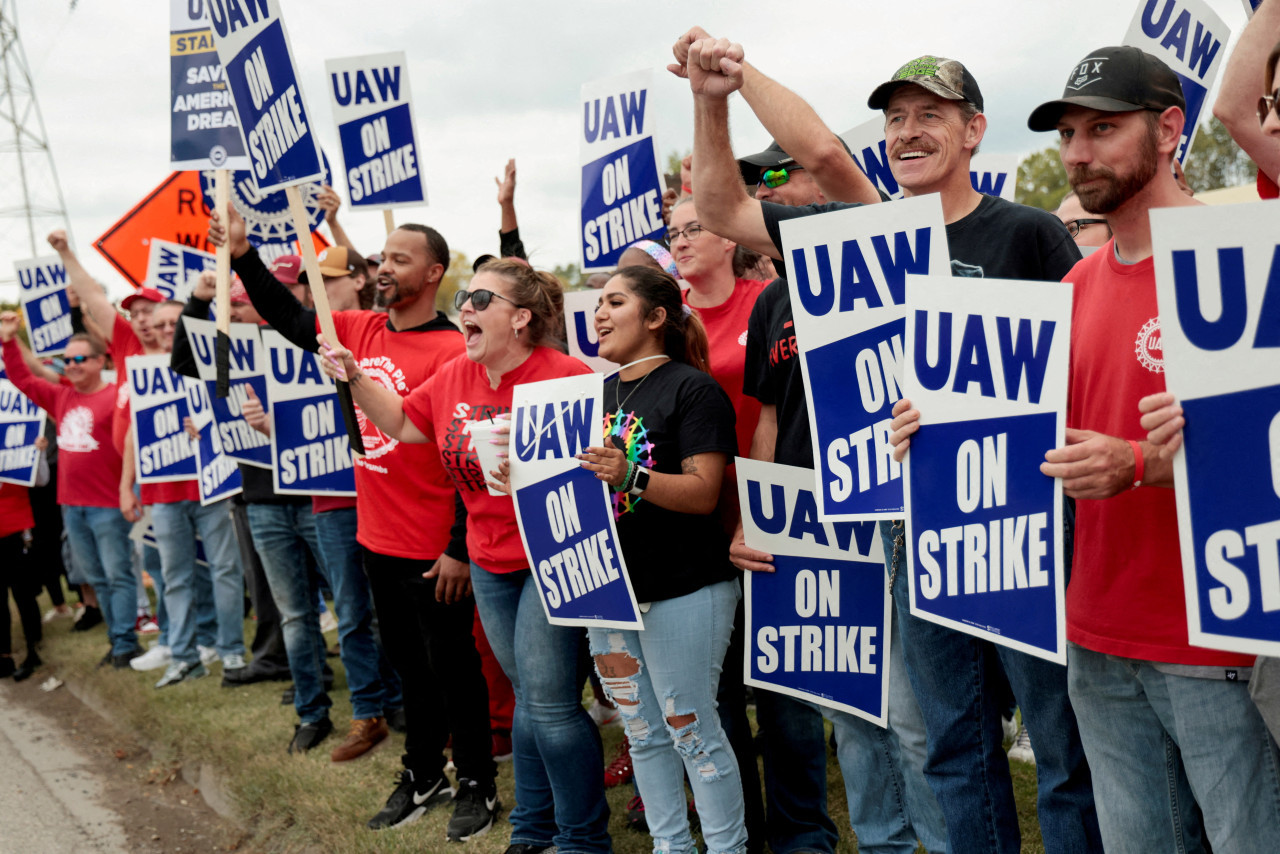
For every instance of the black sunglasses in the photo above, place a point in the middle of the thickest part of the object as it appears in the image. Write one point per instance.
(480, 299)
(79, 360)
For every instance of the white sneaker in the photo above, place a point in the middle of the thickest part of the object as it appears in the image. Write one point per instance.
(208, 655)
(328, 622)
(54, 614)
(153, 659)
(234, 661)
(1010, 726)
(603, 715)
(1021, 750)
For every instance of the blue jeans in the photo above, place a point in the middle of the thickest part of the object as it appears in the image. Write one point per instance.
(793, 745)
(956, 679)
(177, 525)
(282, 534)
(664, 681)
(1137, 723)
(889, 816)
(151, 563)
(102, 551)
(342, 563)
(559, 764)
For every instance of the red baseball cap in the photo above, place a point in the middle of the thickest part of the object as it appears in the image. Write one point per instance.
(286, 269)
(148, 294)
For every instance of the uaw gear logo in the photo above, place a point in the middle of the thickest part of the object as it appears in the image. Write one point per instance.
(75, 433)
(267, 220)
(1088, 72)
(1149, 350)
(376, 443)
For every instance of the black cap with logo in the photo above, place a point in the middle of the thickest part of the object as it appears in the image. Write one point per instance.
(1118, 79)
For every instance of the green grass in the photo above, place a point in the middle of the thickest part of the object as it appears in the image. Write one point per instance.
(307, 803)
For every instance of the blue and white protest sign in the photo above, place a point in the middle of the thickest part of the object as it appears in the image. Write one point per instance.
(563, 510)
(276, 127)
(986, 366)
(204, 131)
(248, 370)
(21, 423)
(42, 284)
(847, 272)
(621, 182)
(173, 268)
(990, 174)
(580, 329)
(817, 627)
(374, 112)
(1251, 6)
(162, 450)
(1191, 40)
(310, 454)
(1218, 285)
(267, 221)
(218, 475)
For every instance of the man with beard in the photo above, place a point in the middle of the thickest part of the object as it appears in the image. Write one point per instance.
(934, 123)
(410, 522)
(1147, 701)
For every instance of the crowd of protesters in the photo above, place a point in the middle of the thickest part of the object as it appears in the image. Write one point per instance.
(1141, 743)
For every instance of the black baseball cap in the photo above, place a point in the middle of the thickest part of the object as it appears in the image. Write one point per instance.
(941, 76)
(1119, 79)
(754, 165)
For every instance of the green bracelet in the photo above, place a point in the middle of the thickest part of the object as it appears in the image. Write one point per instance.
(626, 479)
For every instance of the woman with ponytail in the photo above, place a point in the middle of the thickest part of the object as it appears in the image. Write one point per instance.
(670, 434)
(511, 322)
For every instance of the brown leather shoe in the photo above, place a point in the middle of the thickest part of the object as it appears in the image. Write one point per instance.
(364, 736)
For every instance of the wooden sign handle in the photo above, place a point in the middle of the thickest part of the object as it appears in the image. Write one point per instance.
(222, 295)
(389, 219)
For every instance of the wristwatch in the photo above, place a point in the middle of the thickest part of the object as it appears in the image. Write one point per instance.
(642, 481)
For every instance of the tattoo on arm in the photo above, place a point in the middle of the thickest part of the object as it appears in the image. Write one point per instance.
(688, 466)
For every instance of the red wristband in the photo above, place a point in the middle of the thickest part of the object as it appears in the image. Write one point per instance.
(1138, 465)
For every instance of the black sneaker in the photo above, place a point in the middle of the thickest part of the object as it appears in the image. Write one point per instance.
(410, 801)
(307, 736)
(88, 618)
(121, 661)
(474, 807)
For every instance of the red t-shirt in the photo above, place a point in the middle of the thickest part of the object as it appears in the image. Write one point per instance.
(88, 463)
(726, 326)
(1126, 595)
(124, 343)
(405, 499)
(440, 408)
(15, 511)
(1267, 188)
(325, 503)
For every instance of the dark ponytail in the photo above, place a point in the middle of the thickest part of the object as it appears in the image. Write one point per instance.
(684, 338)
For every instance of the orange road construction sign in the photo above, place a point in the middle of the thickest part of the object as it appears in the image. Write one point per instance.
(173, 211)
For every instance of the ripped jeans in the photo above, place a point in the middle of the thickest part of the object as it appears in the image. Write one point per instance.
(664, 681)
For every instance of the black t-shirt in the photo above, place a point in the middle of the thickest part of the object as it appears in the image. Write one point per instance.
(672, 413)
(998, 240)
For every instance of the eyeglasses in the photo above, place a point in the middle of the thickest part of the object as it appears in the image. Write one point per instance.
(773, 178)
(691, 233)
(165, 324)
(78, 360)
(1267, 105)
(480, 299)
(1074, 226)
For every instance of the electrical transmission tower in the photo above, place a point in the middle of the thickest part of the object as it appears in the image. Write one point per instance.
(31, 202)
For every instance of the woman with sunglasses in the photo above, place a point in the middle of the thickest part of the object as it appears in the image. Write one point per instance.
(670, 436)
(510, 318)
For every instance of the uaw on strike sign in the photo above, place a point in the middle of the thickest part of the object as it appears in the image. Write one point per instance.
(1218, 285)
(621, 185)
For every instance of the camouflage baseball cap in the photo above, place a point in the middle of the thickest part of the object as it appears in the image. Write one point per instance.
(941, 76)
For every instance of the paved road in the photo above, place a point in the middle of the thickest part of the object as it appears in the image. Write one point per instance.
(48, 794)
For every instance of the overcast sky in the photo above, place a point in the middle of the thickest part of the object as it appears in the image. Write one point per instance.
(493, 80)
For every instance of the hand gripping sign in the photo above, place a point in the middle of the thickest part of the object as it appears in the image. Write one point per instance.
(204, 131)
(219, 476)
(986, 366)
(621, 183)
(248, 366)
(580, 330)
(990, 174)
(1218, 286)
(1191, 40)
(309, 450)
(162, 450)
(173, 268)
(564, 511)
(847, 272)
(21, 423)
(42, 283)
(817, 627)
(374, 112)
